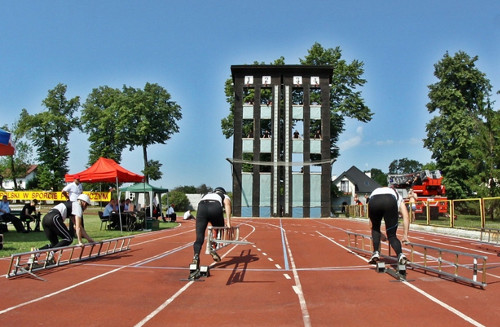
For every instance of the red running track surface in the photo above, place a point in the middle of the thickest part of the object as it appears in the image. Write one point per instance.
(297, 273)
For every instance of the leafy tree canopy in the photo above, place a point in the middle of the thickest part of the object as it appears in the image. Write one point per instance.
(404, 166)
(49, 132)
(460, 99)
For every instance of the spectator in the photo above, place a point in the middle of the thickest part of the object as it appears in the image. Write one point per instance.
(73, 190)
(28, 214)
(412, 199)
(170, 213)
(188, 215)
(6, 216)
(111, 212)
(126, 206)
(417, 180)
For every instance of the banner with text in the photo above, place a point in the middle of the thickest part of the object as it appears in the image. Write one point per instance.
(51, 196)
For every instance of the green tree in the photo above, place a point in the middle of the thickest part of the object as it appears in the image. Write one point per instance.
(485, 182)
(49, 132)
(178, 198)
(430, 166)
(147, 117)
(203, 189)
(459, 100)
(404, 166)
(378, 176)
(188, 189)
(153, 170)
(99, 120)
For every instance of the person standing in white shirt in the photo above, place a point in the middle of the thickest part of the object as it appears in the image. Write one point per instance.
(73, 190)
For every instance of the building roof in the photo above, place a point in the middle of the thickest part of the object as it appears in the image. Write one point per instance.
(8, 174)
(362, 183)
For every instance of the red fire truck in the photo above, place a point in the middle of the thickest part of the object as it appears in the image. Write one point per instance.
(428, 189)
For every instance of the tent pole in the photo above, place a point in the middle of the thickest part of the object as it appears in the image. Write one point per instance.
(118, 201)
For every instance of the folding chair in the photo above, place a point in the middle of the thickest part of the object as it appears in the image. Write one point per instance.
(104, 220)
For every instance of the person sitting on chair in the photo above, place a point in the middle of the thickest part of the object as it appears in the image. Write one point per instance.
(111, 212)
(170, 213)
(6, 216)
(29, 214)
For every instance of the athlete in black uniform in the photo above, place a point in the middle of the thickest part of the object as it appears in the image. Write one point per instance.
(210, 210)
(386, 203)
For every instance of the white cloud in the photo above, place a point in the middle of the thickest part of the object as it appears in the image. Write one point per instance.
(385, 142)
(352, 141)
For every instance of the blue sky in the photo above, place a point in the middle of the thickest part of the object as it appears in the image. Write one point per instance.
(189, 46)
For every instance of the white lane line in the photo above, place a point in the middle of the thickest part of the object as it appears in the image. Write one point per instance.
(163, 305)
(444, 305)
(180, 291)
(298, 287)
(84, 282)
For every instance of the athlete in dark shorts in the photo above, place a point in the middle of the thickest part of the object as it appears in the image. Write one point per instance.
(210, 210)
(386, 203)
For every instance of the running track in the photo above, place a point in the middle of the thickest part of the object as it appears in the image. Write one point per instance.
(297, 273)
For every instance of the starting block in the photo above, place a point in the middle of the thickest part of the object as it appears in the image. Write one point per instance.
(220, 237)
(402, 270)
(205, 271)
(398, 271)
(195, 274)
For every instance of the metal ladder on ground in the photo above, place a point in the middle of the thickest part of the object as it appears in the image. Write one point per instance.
(490, 235)
(33, 261)
(220, 237)
(443, 262)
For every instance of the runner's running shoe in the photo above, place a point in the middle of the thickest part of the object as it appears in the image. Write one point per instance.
(33, 257)
(196, 261)
(195, 274)
(50, 259)
(195, 271)
(215, 256)
(402, 259)
(375, 258)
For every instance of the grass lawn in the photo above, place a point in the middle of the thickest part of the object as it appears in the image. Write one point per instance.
(19, 242)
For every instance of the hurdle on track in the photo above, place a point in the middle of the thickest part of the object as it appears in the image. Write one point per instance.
(440, 261)
(30, 262)
(220, 237)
